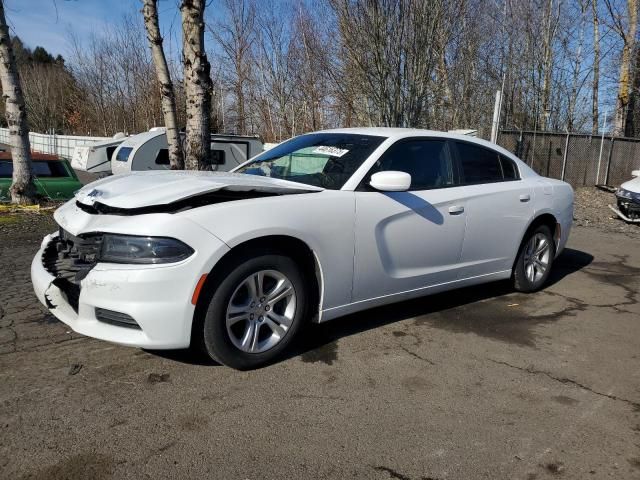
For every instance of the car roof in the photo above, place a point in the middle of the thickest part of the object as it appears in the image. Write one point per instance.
(6, 155)
(397, 133)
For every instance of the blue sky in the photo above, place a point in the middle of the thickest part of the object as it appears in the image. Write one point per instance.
(48, 23)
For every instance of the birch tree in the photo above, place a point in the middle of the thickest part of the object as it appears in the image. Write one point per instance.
(197, 85)
(167, 94)
(22, 188)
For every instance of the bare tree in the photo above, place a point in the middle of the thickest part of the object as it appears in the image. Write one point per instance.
(236, 35)
(626, 25)
(22, 188)
(596, 68)
(150, 14)
(197, 84)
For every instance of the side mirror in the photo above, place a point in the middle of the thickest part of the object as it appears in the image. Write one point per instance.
(391, 181)
(635, 173)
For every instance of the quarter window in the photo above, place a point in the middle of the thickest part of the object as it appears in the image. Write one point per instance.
(427, 161)
(509, 168)
(479, 164)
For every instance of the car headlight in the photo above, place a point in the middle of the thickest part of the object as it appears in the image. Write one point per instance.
(621, 192)
(148, 250)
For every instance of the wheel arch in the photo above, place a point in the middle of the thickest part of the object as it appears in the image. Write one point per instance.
(542, 218)
(289, 245)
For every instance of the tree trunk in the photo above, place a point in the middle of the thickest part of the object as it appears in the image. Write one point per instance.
(22, 188)
(624, 80)
(596, 68)
(167, 95)
(197, 84)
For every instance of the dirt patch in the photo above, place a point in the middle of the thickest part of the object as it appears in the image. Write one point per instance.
(591, 210)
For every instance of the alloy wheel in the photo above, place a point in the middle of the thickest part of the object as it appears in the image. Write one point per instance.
(536, 257)
(261, 311)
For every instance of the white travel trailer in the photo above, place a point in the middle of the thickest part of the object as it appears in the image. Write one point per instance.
(149, 151)
(96, 157)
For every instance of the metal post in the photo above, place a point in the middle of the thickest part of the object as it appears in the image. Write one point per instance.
(564, 158)
(604, 126)
(606, 175)
(496, 117)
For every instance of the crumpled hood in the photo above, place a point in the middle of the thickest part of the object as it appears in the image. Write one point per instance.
(632, 185)
(160, 187)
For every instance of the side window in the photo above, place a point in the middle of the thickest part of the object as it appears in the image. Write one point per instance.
(42, 169)
(479, 164)
(509, 168)
(427, 161)
(163, 157)
(123, 154)
(216, 157)
(6, 169)
(58, 169)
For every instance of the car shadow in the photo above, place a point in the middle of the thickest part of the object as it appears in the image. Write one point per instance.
(457, 311)
(318, 343)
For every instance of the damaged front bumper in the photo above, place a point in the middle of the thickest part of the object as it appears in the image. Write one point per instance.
(147, 307)
(628, 209)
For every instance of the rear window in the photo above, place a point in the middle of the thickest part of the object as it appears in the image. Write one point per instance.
(6, 169)
(123, 154)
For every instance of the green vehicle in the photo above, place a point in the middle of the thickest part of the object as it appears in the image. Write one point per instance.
(55, 179)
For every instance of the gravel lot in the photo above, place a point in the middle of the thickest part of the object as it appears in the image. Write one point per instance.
(478, 383)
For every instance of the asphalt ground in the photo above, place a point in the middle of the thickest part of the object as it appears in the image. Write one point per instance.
(477, 383)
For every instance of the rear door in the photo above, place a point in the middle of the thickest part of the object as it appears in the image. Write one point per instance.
(498, 208)
(406, 241)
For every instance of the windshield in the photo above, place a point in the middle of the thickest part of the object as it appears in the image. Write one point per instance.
(324, 160)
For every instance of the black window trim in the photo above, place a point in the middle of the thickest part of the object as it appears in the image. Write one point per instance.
(364, 186)
(456, 155)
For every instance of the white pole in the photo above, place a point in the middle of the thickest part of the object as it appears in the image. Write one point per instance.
(604, 126)
(496, 117)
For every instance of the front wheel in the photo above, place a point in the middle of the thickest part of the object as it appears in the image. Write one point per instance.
(534, 261)
(255, 312)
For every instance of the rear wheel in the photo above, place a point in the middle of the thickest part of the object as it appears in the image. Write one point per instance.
(255, 312)
(534, 261)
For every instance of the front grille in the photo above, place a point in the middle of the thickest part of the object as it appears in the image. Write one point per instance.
(118, 319)
(70, 259)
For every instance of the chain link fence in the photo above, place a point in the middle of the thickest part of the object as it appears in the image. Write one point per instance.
(579, 159)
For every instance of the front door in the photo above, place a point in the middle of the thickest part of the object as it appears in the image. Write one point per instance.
(406, 241)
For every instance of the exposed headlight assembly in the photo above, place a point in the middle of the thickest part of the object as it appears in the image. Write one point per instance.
(145, 250)
(621, 192)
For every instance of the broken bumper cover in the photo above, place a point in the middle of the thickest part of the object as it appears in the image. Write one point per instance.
(156, 297)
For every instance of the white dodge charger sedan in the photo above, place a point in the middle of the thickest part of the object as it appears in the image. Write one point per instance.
(325, 224)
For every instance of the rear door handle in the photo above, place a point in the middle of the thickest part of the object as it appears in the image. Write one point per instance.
(456, 209)
(525, 197)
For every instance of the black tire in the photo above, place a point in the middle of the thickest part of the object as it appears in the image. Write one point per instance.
(521, 282)
(214, 337)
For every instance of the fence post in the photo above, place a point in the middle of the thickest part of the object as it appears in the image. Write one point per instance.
(606, 175)
(564, 158)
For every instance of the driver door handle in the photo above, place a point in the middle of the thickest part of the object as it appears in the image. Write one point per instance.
(525, 198)
(456, 210)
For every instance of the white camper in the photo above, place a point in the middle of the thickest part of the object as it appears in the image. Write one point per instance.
(149, 151)
(96, 157)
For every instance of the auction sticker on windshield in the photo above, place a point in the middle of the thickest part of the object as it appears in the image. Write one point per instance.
(331, 151)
